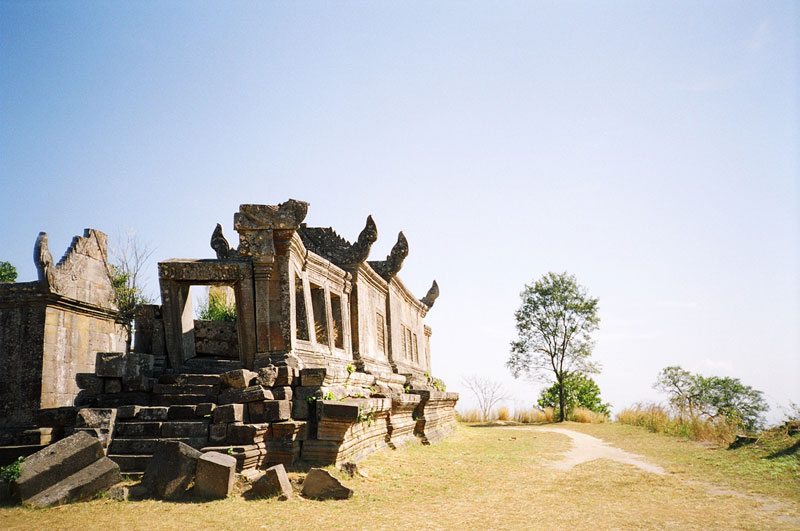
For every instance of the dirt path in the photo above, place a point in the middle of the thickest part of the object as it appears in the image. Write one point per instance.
(586, 448)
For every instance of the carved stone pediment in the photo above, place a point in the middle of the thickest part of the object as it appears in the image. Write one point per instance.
(328, 244)
(256, 223)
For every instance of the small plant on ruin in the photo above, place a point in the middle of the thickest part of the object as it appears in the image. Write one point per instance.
(438, 385)
(329, 396)
(217, 308)
(350, 368)
(10, 473)
(367, 416)
(372, 389)
(407, 388)
(230, 450)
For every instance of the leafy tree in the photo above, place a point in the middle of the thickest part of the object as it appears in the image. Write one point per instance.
(579, 391)
(129, 257)
(713, 397)
(487, 392)
(217, 308)
(8, 273)
(554, 326)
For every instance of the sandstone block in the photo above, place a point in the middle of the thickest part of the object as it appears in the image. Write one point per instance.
(303, 393)
(249, 394)
(237, 379)
(110, 364)
(182, 412)
(127, 412)
(84, 483)
(170, 470)
(270, 410)
(57, 461)
(267, 376)
(287, 376)
(274, 482)
(57, 416)
(229, 413)
(153, 413)
(112, 385)
(337, 411)
(205, 410)
(282, 393)
(138, 429)
(217, 433)
(184, 429)
(321, 485)
(312, 377)
(89, 382)
(299, 409)
(247, 433)
(215, 475)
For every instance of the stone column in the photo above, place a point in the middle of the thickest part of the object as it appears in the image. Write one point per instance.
(178, 321)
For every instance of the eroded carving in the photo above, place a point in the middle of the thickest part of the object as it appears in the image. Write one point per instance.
(431, 296)
(328, 244)
(389, 268)
(45, 267)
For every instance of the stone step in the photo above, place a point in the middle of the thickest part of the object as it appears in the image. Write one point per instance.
(180, 399)
(185, 389)
(136, 429)
(200, 379)
(132, 446)
(202, 365)
(131, 464)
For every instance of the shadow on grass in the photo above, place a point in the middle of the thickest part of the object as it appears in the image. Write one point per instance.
(789, 450)
(505, 424)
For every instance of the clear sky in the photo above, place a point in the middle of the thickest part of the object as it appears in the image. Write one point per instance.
(649, 148)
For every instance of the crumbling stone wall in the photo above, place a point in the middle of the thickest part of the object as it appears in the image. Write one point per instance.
(52, 329)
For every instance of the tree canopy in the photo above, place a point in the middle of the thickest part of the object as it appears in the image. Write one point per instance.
(579, 391)
(554, 326)
(713, 397)
(8, 273)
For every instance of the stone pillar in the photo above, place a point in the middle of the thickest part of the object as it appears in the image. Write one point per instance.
(178, 321)
(262, 272)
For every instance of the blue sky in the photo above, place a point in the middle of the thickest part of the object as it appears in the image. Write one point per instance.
(650, 149)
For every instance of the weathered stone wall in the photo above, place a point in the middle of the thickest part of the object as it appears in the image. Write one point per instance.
(21, 339)
(52, 329)
(407, 330)
(72, 340)
(216, 338)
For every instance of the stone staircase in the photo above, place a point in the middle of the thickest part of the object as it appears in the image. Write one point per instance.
(184, 410)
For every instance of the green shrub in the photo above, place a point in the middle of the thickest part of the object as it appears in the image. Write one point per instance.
(10, 473)
(217, 308)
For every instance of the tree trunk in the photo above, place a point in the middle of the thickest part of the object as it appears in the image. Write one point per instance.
(561, 401)
(128, 339)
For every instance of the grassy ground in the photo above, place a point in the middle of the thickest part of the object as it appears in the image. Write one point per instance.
(488, 478)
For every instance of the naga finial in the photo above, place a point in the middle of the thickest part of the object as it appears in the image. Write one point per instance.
(398, 253)
(431, 296)
(220, 244)
(44, 261)
(359, 251)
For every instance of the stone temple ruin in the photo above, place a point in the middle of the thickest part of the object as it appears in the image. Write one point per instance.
(328, 359)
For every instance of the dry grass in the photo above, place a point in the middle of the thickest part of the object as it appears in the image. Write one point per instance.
(529, 416)
(481, 477)
(659, 420)
(503, 413)
(469, 416)
(587, 416)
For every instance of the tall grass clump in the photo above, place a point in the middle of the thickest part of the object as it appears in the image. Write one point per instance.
(469, 416)
(658, 419)
(503, 413)
(587, 416)
(529, 416)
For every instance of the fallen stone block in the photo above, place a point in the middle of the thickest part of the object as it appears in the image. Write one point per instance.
(237, 379)
(247, 433)
(229, 413)
(287, 376)
(205, 410)
(178, 430)
(270, 410)
(274, 482)
(89, 382)
(186, 412)
(170, 470)
(217, 433)
(83, 484)
(215, 475)
(249, 394)
(57, 416)
(127, 412)
(321, 485)
(267, 376)
(57, 461)
(153, 413)
(337, 411)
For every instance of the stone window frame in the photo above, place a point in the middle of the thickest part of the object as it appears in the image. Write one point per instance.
(312, 344)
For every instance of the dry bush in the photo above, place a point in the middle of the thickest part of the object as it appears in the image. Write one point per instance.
(529, 416)
(587, 416)
(503, 413)
(549, 414)
(658, 419)
(469, 416)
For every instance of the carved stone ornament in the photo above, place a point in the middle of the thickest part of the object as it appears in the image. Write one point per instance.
(256, 223)
(221, 246)
(431, 296)
(389, 268)
(45, 267)
(328, 244)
